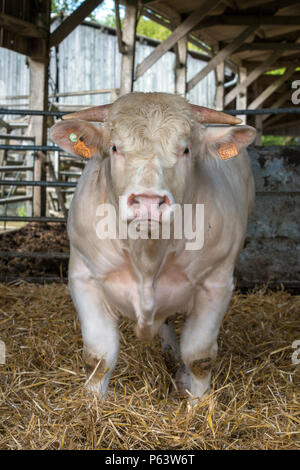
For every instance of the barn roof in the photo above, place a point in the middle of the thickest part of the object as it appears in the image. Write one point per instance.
(276, 26)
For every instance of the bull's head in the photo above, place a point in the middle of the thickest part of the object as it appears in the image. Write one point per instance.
(154, 142)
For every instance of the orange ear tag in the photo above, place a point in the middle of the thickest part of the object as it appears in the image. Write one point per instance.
(227, 150)
(82, 149)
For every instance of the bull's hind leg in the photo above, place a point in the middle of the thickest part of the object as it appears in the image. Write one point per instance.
(100, 331)
(199, 336)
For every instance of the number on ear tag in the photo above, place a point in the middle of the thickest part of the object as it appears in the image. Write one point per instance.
(227, 150)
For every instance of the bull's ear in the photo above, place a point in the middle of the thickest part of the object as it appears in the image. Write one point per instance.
(80, 138)
(227, 142)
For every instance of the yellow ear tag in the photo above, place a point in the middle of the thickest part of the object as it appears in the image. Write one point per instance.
(227, 150)
(82, 149)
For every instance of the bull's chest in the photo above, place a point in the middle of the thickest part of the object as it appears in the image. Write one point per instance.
(170, 292)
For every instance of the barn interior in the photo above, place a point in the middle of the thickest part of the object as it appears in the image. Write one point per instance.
(237, 56)
(247, 52)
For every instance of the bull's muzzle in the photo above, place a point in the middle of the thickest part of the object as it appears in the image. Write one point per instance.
(147, 206)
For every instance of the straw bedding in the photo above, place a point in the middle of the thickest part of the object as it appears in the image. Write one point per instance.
(254, 403)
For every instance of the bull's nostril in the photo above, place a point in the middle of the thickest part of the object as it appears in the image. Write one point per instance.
(148, 200)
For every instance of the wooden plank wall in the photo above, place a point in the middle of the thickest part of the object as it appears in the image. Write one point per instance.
(89, 59)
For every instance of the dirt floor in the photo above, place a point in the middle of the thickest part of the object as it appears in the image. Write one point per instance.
(35, 237)
(254, 403)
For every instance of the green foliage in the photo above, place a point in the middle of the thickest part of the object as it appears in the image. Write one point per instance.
(145, 27)
(21, 211)
(151, 29)
(276, 71)
(277, 140)
(67, 7)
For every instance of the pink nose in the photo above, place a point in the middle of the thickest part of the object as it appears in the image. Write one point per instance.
(148, 206)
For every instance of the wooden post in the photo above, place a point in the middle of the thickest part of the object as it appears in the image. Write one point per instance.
(241, 99)
(220, 77)
(128, 56)
(180, 67)
(37, 128)
(38, 99)
(258, 118)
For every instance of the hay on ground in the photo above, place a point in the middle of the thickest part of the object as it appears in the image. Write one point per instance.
(254, 403)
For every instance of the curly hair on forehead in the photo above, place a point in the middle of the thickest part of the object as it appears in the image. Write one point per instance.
(144, 123)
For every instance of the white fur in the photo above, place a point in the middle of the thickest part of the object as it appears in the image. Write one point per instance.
(145, 280)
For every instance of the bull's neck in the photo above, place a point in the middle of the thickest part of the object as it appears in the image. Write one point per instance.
(148, 257)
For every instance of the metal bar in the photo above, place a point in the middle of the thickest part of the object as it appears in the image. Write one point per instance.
(253, 112)
(26, 148)
(12, 218)
(38, 183)
(30, 112)
(233, 112)
(9, 200)
(15, 168)
(35, 254)
(16, 137)
(33, 279)
(66, 94)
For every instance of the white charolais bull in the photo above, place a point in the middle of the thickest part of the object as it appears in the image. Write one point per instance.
(154, 150)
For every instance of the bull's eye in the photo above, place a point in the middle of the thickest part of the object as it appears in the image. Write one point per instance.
(186, 150)
(114, 148)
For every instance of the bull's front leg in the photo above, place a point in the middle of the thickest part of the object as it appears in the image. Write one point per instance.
(199, 335)
(100, 331)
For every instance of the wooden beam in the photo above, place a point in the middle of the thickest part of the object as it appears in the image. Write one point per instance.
(70, 23)
(180, 68)
(21, 27)
(220, 78)
(38, 99)
(268, 7)
(5, 125)
(221, 56)
(258, 122)
(260, 69)
(191, 38)
(121, 44)
(182, 30)
(128, 56)
(270, 46)
(161, 8)
(241, 100)
(254, 3)
(283, 62)
(248, 20)
(271, 88)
